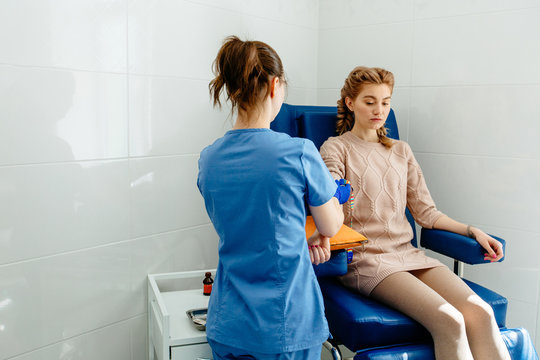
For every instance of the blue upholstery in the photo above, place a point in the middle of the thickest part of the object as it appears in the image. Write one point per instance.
(336, 266)
(371, 329)
(287, 122)
(456, 246)
(518, 342)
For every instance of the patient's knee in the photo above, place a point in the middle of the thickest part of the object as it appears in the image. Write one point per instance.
(477, 311)
(449, 322)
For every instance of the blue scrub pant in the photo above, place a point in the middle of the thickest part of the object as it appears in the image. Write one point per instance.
(224, 352)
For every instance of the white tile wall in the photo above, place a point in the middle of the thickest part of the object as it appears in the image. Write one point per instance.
(160, 122)
(387, 45)
(59, 297)
(301, 96)
(479, 120)
(161, 40)
(478, 49)
(467, 84)
(85, 34)
(54, 115)
(299, 12)
(119, 341)
(354, 13)
(112, 342)
(163, 197)
(484, 190)
(104, 110)
(432, 9)
(54, 208)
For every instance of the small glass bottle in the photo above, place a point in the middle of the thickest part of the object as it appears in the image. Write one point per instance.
(207, 284)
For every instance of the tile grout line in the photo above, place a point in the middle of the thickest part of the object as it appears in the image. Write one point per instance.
(478, 156)
(127, 158)
(429, 19)
(137, 238)
(78, 335)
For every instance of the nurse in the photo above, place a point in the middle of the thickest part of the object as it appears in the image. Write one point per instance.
(266, 302)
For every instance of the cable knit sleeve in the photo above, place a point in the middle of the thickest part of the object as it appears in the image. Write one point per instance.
(419, 200)
(333, 155)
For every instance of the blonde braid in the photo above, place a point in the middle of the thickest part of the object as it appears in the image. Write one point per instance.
(383, 139)
(345, 117)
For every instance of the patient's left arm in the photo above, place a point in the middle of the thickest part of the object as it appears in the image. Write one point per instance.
(493, 248)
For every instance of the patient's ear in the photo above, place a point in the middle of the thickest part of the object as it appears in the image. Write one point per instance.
(348, 103)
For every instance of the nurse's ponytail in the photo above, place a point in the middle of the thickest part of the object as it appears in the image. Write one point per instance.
(243, 70)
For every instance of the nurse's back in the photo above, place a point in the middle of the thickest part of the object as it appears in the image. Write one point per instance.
(253, 184)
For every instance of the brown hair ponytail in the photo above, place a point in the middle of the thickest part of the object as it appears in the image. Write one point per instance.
(357, 78)
(244, 69)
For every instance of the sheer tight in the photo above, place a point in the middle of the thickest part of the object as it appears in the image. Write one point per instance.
(461, 323)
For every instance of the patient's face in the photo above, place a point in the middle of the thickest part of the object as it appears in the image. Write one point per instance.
(371, 106)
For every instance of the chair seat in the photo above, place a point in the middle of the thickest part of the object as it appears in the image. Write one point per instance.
(518, 342)
(360, 323)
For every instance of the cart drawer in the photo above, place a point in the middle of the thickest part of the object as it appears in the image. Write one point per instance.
(191, 352)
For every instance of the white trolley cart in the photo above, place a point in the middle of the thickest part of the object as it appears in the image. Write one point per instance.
(171, 333)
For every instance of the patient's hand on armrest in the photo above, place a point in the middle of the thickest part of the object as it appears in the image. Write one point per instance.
(493, 247)
(319, 248)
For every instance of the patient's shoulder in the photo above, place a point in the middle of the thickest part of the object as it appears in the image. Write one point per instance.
(336, 143)
(403, 149)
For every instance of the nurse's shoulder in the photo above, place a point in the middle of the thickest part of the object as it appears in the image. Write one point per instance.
(212, 148)
(290, 143)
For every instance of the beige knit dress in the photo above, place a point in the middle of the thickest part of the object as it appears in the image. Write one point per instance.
(385, 181)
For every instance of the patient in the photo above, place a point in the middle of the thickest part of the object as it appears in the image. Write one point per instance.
(386, 179)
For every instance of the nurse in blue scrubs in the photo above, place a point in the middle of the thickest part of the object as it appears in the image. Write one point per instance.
(266, 302)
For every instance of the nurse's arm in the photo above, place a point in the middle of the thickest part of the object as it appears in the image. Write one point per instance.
(328, 217)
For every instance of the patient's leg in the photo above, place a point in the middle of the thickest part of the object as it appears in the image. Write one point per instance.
(482, 331)
(406, 293)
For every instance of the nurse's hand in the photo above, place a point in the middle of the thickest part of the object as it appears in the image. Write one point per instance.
(319, 248)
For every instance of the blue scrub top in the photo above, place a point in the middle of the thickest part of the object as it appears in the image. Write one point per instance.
(265, 296)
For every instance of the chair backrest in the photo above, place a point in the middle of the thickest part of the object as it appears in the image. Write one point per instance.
(318, 123)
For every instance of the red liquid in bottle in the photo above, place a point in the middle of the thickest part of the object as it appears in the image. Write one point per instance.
(207, 284)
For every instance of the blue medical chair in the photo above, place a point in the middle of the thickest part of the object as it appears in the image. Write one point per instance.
(369, 329)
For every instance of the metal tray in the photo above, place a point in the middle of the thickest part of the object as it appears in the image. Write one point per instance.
(198, 318)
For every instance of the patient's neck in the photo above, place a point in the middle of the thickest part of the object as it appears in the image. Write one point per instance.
(369, 135)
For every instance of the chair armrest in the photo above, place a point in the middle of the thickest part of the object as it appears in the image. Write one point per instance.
(456, 246)
(336, 266)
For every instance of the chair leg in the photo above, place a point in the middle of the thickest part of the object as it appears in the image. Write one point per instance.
(334, 350)
(458, 268)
